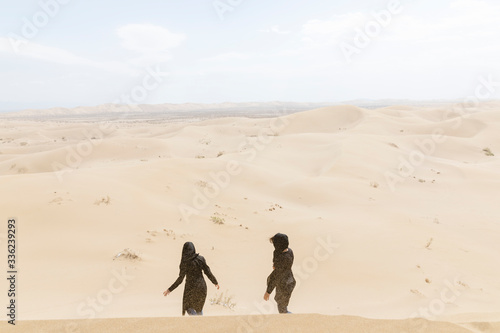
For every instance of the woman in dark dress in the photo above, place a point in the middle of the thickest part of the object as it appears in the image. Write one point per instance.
(282, 277)
(195, 292)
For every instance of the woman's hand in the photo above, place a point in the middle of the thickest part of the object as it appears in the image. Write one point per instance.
(166, 292)
(217, 286)
(266, 296)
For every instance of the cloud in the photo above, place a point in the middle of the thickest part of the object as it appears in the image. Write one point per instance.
(327, 32)
(469, 5)
(464, 18)
(229, 56)
(26, 49)
(465, 33)
(276, 30)
(150, 44)
(148, 40)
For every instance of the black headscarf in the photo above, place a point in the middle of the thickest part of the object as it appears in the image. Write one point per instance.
(280, 242)
(188, 253)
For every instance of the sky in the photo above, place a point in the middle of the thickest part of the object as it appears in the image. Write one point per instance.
(68, 53)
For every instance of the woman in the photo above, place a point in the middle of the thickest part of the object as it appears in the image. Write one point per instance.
(282, 277)
(195, 292)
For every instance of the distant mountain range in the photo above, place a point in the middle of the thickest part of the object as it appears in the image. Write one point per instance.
(200, 109)
(109, 109)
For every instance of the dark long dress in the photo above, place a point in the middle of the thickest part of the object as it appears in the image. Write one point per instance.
(195, 291)
(281, 277)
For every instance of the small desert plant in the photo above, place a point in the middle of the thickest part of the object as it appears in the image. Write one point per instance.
(374, 184)
(217, 220)
(488, 152)
(199, 156)
(202, 183)
(127, 254)
(104, 200)
(220, 154)
(225, 301)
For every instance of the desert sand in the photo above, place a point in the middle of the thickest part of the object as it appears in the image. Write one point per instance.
(392, 214)
(258, 323)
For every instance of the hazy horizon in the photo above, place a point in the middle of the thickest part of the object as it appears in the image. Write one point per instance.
(367, 103)
(63, 53)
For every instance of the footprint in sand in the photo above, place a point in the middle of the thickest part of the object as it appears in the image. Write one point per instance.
(169, 233)
(416, 292)
(60, 199)
(429, 242)
(273, 207)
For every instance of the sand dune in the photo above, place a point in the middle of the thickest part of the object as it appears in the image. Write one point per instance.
(392, 214)
(240, 324)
